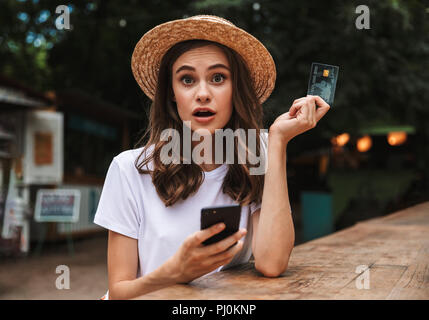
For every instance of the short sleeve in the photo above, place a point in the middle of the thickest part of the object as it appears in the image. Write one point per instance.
(117, 209)
(254, 207)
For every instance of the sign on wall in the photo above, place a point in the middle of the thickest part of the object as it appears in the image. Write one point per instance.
(57, 205)
(43, 152)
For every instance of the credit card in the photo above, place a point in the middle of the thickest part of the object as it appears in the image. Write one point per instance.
(323, 81)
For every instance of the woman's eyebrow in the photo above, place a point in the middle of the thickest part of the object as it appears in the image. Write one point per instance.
(218, 65)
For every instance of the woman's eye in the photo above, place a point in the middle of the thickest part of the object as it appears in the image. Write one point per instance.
(186, 80)
(218, 77)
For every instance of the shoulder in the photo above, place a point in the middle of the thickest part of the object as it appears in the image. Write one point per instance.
(126, 160)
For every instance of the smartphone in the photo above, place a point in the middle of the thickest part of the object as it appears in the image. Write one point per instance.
(230, 215)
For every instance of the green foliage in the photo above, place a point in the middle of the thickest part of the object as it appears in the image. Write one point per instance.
(383, 71)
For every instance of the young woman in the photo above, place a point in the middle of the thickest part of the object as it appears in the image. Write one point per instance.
(203, 74)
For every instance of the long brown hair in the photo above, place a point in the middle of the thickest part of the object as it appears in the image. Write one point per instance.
(178, 181)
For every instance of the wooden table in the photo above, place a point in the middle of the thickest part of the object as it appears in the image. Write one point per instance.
(395, 249)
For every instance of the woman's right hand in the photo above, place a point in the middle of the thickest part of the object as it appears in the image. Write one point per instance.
(193, 259)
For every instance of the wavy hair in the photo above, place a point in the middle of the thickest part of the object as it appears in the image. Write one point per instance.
(178, 181)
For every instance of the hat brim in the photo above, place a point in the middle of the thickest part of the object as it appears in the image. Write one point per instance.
(150, 49)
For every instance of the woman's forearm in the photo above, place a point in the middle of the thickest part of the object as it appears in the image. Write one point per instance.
(128, 289)
(275, 234)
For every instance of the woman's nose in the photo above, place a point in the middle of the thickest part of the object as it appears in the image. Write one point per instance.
(203, 93)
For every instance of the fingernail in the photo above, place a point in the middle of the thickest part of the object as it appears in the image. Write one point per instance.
(221, 226)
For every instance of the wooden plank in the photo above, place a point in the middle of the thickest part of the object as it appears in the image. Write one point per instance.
(394, 249)
(381, 280)
(416, 215)
(414, 283)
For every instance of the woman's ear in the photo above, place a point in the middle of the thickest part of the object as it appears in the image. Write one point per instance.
(173, 98)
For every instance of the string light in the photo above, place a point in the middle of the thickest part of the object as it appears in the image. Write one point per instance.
(340, 140)
(364, 144)
(396, 138)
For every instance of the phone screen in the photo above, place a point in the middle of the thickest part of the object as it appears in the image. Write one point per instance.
(228, 214)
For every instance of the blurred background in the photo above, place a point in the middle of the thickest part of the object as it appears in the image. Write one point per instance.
(69, 104)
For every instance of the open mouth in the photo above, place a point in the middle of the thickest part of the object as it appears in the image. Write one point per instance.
(203, 113)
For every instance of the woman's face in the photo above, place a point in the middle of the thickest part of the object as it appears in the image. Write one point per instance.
(202, 87)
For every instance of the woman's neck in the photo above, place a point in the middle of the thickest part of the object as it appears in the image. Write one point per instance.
(207, 165)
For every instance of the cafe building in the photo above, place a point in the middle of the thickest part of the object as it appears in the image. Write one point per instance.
(63, 140)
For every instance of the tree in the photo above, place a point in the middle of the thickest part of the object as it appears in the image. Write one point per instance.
(383, 70)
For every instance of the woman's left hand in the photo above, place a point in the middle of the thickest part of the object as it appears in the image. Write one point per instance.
(302, 116)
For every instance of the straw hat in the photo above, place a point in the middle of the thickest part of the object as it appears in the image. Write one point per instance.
(150, 49)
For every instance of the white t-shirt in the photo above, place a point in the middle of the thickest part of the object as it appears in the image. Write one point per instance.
(130, 205)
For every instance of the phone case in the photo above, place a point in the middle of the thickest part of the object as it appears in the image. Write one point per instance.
(230, 215)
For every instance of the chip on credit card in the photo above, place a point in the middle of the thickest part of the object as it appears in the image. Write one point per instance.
(323, 80)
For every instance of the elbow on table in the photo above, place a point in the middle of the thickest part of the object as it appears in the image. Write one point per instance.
(113, 294)
(272, 266)
(270, 270)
